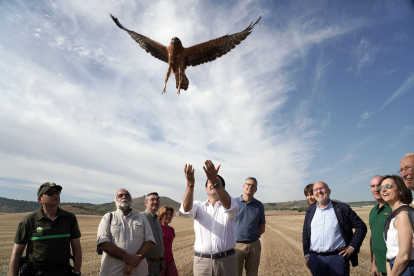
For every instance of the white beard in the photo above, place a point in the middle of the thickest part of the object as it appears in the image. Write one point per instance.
(124, 205)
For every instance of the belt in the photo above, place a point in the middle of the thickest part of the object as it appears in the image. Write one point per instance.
(336, 252)
(49, 266)
(216, 255)
(154, 259)
(246, 242)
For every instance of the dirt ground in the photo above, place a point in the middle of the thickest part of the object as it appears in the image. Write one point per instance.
(281, 244)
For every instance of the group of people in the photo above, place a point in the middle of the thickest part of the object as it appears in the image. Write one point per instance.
(333, 233)
(227, 232)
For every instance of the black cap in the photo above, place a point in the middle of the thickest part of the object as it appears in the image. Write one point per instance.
(45, 187)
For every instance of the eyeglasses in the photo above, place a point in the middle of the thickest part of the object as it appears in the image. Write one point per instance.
(318, 189)
(154, 199)
(406, 168)
(52, 192)
(250, 185)
(387, 186)
(122, 195)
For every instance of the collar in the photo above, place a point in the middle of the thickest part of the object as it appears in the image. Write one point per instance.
(207, 203)
(253, 199)
(41, 214)
(122, 212)
(327, 207)
(149, 214)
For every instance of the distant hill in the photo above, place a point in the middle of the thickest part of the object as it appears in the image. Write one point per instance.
(20, 206)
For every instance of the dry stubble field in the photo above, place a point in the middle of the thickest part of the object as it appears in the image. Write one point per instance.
(281, 244)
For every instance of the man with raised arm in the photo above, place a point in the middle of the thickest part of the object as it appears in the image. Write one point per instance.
(250, 225)
(377, 218)
(49, 233)
(329, 243)
(407, 170)
(125, 237)
(214, 221)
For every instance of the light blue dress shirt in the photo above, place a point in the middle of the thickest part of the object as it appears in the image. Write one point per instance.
(325, 232)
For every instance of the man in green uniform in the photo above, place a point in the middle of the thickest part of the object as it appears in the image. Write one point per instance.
(49, 233)
(377, 218)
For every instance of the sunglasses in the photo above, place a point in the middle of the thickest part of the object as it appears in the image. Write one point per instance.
(52, 192)
(122, 195)
(387, 186)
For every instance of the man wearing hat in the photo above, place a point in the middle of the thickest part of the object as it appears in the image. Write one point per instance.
(49, 233)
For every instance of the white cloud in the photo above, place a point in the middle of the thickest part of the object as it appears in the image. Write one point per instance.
(84, 107)
(365, 54)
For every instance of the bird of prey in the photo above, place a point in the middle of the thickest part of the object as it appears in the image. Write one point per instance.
(178, 57)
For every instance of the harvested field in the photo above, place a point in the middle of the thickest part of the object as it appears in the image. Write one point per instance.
(281, 244)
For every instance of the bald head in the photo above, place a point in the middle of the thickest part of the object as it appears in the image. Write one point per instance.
(407, 170)
(321, 192)
(374, 184)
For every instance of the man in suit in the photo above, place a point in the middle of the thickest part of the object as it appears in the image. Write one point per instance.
(328, 240)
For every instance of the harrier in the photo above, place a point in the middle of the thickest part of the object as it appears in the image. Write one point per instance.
(178, 57)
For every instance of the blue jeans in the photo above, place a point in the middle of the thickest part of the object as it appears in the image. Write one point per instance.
(333, 265)
(156, 268)
(408, 271)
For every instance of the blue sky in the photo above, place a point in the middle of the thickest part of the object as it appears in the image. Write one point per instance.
(318, 92)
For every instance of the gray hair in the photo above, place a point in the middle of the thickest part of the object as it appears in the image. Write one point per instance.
(150, 194)
(408, 154)
(252, 178)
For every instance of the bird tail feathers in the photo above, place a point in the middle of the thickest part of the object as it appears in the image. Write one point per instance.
(184, 82)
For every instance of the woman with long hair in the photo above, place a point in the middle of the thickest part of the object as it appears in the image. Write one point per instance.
(398, 230)
(165, 215)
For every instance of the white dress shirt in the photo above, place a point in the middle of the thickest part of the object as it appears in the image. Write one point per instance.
(129, 233)
(325, 232)
(213, 226)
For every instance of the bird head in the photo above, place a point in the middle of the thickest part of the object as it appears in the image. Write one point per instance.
(175, 40)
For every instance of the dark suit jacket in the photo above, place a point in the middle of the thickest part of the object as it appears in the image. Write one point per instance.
(347, 220)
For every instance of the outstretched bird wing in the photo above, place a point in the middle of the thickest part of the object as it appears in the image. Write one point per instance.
(215, 48)
(150, 46)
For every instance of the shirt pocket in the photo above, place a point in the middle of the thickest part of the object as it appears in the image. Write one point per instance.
(138, 228)
(115, 230)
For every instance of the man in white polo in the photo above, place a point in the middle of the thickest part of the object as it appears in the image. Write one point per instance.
(214, 221)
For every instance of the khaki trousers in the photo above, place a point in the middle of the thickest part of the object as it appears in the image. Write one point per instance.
(226, 266)
(248, 255)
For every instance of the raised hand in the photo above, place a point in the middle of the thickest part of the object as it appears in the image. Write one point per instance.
(211, 171)
(189, 174)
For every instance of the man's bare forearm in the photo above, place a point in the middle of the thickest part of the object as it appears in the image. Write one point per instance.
(113, 251)
(224, 197)
(15, 259)
(145, 248)
(188, 199)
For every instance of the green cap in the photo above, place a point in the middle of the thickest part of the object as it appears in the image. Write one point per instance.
(45, 187)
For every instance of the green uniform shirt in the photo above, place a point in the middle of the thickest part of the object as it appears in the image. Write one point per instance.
(377, 218)
(48, 241)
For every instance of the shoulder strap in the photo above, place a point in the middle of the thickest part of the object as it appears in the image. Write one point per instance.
(393, 214)
(110, 222)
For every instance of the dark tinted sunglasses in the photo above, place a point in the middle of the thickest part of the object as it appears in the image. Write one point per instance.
(51, 192)
(121, 195)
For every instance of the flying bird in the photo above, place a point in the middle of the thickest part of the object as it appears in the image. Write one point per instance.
(179, 57)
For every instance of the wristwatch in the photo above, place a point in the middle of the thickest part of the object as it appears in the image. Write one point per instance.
(77, 273)
(215, 185)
